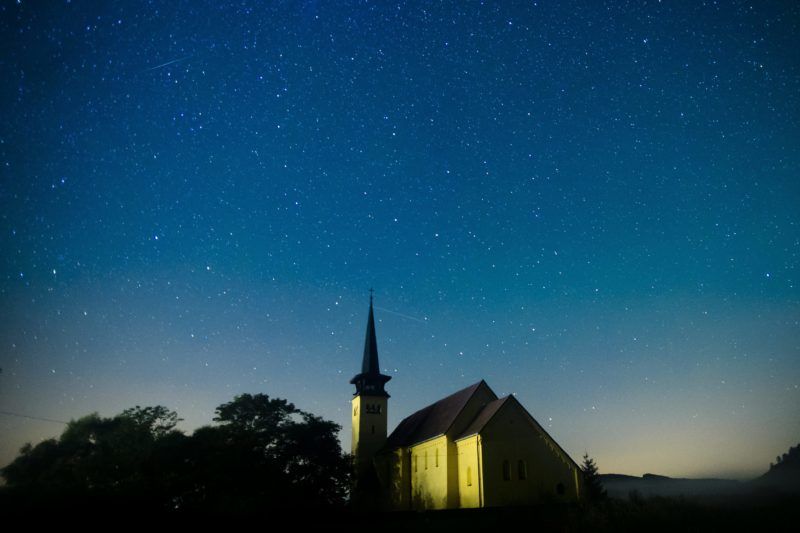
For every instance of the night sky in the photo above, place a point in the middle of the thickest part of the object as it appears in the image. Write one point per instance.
(592, 205)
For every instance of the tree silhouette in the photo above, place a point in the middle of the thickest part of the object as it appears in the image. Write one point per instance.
(158, 421)
(261, 454)
(93, 453)
(265, 453)
(784, 474)
(593, 487)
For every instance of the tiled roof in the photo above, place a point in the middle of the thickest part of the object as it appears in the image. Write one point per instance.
(483, 418)
(432, 420)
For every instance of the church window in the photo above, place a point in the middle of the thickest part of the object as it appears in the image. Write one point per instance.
(436, 456)
(522, 470)
(469, 476)
(560, 489)
(426, 459)
(416, 460)
(506, 470)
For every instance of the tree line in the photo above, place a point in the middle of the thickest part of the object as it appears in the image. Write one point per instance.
(262, 453)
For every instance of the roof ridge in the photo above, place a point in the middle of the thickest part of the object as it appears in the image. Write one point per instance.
(477, 386)
(434, 419)
(459, 391)
(483, 417)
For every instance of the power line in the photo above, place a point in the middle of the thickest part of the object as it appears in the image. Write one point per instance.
(9, 413)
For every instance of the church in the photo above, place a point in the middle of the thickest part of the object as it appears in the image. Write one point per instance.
(469, 449)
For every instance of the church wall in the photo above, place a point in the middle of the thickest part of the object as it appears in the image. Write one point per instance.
(369, 415)
(476, 403)
(394, 469)
(429, 474)
(468, 472)
(452, 475)
(511, 436)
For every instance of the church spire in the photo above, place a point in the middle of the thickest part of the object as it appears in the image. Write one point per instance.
(369, 365)
(370, 381)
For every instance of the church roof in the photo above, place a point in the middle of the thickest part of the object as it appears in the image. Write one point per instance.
(483, 418)
(370, 381)
(369, 363)
(432, 420)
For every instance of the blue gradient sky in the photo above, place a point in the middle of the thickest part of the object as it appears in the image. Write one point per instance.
(592, 206)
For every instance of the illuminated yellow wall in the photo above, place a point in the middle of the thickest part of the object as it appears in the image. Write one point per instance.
(512, 436)
(469, 472)
(369, 428)
(444, 474)
(429, 474)
(476, 403)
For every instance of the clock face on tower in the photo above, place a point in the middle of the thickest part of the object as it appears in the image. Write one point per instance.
(373, 409)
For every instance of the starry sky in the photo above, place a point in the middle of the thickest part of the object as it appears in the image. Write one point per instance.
(592, 205)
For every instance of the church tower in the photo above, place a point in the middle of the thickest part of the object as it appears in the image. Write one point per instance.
(369, 403)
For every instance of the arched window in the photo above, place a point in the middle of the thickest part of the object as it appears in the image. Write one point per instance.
(436, 451)
(426, 459)
(469, 476)
(416, 460)
(522, 470)
(506, 470)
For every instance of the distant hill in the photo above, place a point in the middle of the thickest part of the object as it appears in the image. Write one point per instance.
(783, 476)
(620, 486)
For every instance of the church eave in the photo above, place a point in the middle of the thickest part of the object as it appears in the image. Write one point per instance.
(548, 437)
(387, 449)
(382, 378)
(434, 420)
(370, 384)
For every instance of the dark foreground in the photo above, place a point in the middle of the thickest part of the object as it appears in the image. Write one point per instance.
(637, 514)
(765, 512)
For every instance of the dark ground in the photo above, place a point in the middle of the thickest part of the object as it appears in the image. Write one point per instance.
(755, 512)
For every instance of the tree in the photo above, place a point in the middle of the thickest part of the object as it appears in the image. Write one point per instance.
(255, 412)
(592, 484)
(158, 421)
(97, 462)
(276, 454)
(263, 453)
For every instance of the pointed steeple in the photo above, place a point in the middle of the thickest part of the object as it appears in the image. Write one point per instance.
(369, 364)
(370, 381)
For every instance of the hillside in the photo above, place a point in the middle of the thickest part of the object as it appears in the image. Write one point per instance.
(620, 486)
(782, 476)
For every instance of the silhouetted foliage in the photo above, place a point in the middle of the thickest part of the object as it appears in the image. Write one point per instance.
(593, 486)
(784, 475)
(263, 453)
(158, 420)
(792, 459)
(97, 454)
